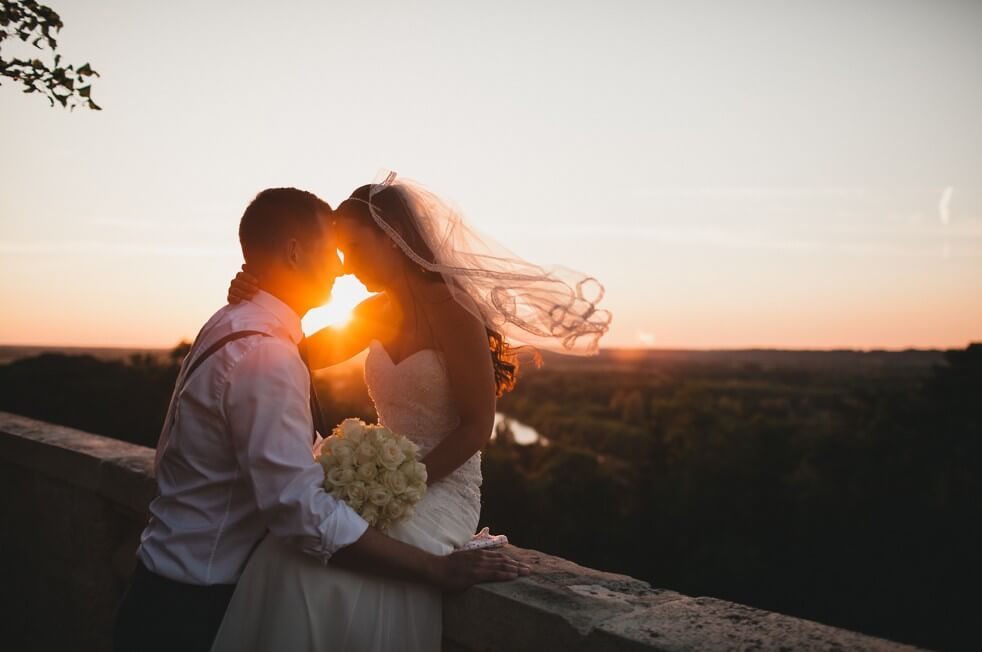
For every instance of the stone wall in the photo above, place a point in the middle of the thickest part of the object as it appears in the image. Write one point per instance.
(72, 506)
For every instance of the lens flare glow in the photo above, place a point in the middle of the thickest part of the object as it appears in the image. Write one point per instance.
(348, 292)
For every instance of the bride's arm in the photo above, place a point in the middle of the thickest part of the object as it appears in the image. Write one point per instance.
(464, 343)
(377, 553)
(334, 344)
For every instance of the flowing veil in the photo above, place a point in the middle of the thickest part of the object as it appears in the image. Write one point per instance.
(552, 308)
(287, 600)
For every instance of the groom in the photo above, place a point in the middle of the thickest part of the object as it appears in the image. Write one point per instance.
(234, 457)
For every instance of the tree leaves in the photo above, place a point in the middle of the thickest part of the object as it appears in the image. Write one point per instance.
(32, 22)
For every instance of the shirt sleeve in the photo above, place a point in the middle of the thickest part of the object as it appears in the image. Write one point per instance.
(267, 409)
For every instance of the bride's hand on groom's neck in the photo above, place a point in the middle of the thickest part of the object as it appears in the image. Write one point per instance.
(243, 287)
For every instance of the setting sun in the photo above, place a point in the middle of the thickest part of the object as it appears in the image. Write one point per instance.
(348, 292)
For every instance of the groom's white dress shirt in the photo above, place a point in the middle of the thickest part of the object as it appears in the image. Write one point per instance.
(234, 457)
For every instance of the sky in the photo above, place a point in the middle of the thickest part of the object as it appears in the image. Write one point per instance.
(757, 174)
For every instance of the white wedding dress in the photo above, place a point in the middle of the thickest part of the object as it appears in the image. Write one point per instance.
(287, 600)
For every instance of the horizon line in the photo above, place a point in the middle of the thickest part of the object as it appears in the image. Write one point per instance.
(607, 349)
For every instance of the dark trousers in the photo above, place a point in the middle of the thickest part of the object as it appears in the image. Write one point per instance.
(160, 614)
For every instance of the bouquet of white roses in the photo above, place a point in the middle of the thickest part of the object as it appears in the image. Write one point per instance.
(373, 470)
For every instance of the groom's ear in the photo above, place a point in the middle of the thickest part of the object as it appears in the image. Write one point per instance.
(293, 252)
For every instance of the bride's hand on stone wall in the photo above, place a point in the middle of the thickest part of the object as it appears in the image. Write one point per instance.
(463, 569)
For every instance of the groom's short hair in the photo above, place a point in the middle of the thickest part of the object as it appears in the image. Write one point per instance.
(276, 215)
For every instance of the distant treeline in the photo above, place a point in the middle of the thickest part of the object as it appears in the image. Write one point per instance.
(838, 486)
(846, 491)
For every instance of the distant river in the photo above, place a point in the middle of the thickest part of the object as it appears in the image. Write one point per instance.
(524, 435)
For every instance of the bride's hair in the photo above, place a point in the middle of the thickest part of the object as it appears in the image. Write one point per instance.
(390, 203)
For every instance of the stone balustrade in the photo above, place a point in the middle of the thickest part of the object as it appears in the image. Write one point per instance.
(73, 505)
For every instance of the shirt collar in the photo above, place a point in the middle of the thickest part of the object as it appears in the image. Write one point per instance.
(283, 313)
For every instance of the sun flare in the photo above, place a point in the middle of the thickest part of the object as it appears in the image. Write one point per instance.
(348, 292)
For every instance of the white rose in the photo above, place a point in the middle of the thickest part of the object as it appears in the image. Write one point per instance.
(414, 494)
(343, 450)
(409, 449)
(354, 439)
(395, 510)
(379, 495)
(354, 494)
(365, 452)
(408, 469)
(353, 436)
(395, 481)
(391, 455)
(380, 435)
(366, 472)
(328, 461)
(333, 478)
(343, 476)
(421, 473)
(414, 471)
(350, 428)
(370, 513)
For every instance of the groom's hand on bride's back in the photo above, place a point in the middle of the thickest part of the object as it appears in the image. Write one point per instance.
(244, 286)
(463, 569)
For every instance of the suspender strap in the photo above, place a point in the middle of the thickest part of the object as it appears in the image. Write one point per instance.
(315, 409)
(320, 424)
(215, 347)
(164, 436)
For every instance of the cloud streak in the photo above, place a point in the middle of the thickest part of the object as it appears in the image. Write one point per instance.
(971, 246)
(162, 226)
(94, 247)
(944, 205)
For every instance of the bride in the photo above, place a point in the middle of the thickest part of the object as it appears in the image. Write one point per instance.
(438, 335)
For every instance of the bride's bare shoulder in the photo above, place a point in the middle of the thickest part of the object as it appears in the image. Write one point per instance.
(453, 308)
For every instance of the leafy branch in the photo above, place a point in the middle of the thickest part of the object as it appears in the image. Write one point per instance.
(34, 23)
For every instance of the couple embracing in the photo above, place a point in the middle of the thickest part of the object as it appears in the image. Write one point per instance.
(245, 549)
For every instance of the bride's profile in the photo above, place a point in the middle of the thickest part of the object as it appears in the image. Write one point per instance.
(452, 311)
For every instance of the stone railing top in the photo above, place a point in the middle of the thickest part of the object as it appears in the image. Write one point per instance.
(564, 606)
(560, 606)
(117, 470)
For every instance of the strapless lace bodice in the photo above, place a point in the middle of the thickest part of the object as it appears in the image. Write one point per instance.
(413, 398)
